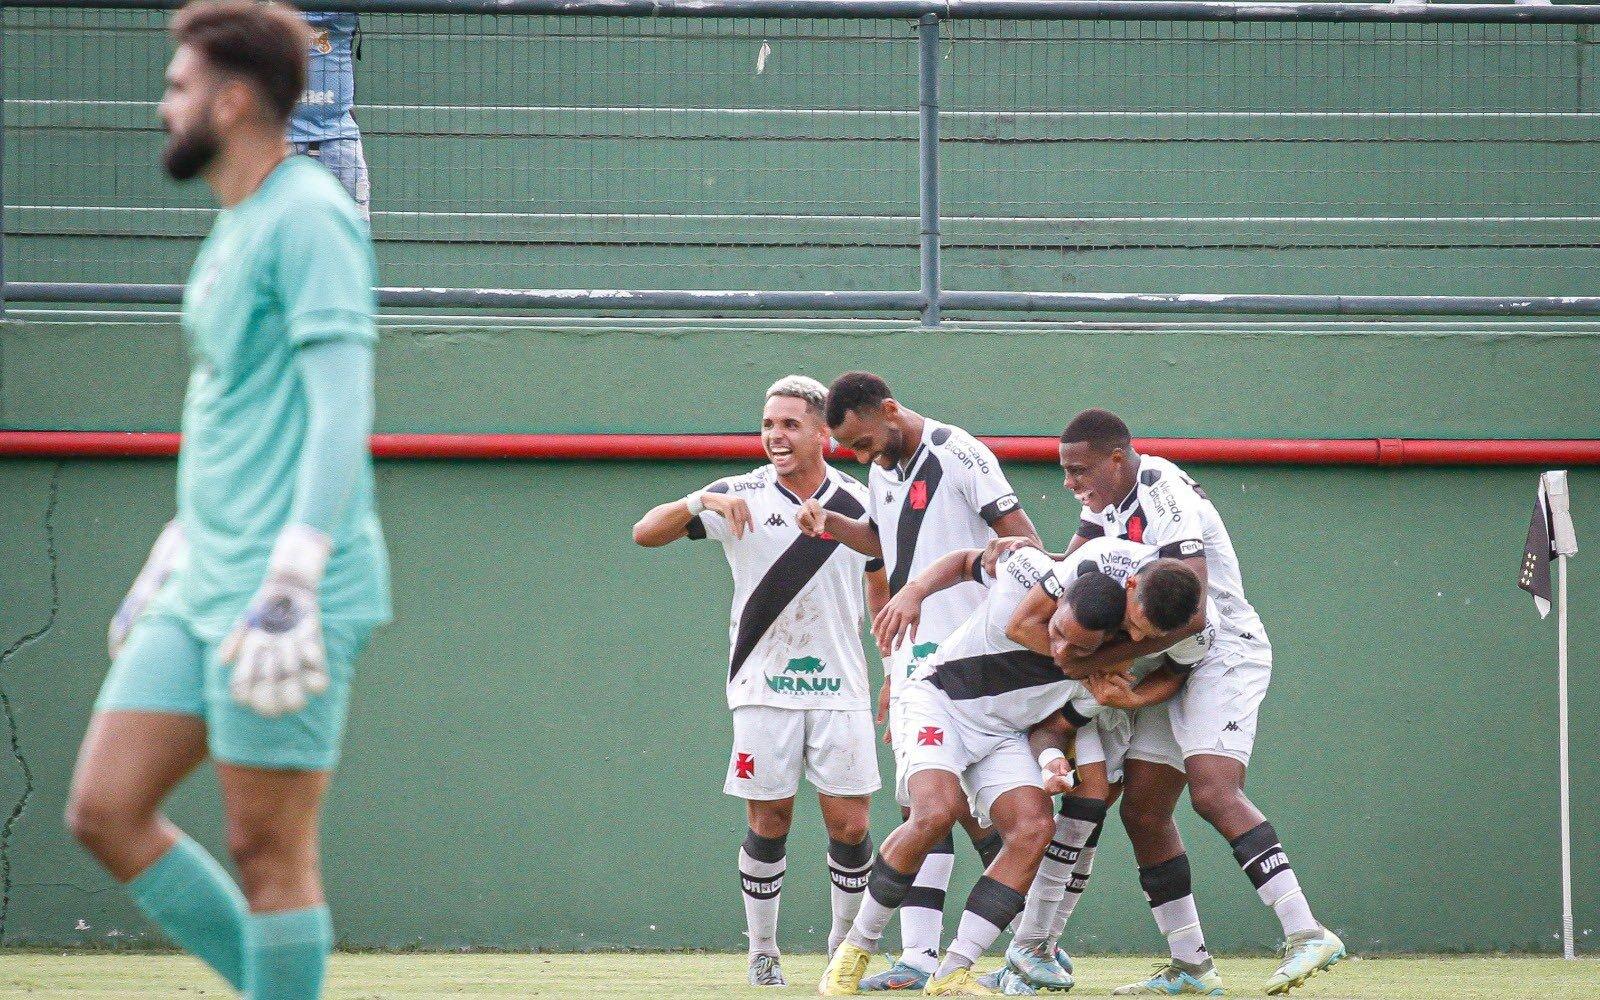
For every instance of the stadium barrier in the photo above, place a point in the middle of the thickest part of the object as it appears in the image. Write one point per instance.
(1113, 80)
(704, 447)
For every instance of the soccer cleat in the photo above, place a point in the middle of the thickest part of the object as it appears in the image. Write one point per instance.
(842, 978)
(1037, 966)
(899, 976)
(1174, 978)
(1063, 959)
(1007, 982)
(960, 983)
(765, 971)
(1304, 955)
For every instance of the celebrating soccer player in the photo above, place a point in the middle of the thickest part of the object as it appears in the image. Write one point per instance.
(969, 711)
(237, 638)
(1204, 736)
(797, 675)
(934, 489)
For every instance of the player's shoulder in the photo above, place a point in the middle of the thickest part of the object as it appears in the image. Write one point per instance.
(754, 481)
(849, 484)
(960, 449)
(308, 197)
(850, 497)
(1027, 565)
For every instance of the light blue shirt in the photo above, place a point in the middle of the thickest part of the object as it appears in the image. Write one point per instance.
(324, 109)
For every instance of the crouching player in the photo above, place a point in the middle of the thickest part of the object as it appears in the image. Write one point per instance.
(238, 638)
(797, 675)
(969, 712)
(1103, 725)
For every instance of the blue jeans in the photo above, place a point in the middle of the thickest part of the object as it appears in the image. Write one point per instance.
(345, 160)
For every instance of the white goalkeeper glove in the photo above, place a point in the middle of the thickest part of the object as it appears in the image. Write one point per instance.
(169, 551)
(276, 648)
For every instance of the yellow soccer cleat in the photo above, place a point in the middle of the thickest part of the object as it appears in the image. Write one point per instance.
(960, 983)
(845, 969)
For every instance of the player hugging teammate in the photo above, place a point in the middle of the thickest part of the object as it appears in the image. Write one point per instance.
(1138, 644)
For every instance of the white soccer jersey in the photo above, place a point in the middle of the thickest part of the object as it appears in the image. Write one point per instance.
(1119, 559)
(1169, 511)
(795, 628)
(995, 684)
(951, 491)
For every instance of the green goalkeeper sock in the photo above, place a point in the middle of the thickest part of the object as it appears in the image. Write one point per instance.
(189, 895)
(288, 953)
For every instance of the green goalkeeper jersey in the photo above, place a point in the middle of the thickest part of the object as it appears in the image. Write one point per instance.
(289, 266)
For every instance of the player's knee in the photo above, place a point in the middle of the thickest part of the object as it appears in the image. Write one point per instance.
(1142, 817)
(933, 820)
(771, 822)
(1215, 801)
(851, 830)
(97, 820)
(1031, 833)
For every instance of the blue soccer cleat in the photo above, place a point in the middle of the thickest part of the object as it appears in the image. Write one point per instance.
(899, 976)
(765, 971)
(1037, 966)
(1063, 959)
(1305, 955)
(1007, 982)
(1175, 978)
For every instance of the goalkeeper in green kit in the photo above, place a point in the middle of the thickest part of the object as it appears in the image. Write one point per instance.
(237, 639)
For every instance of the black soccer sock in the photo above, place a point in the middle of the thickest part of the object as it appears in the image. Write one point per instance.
(1262, 857)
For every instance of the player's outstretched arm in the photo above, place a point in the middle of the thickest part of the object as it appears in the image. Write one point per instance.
(897, 622)
(816, 520)
(1015, 523)
(670, 521)
(170, 549)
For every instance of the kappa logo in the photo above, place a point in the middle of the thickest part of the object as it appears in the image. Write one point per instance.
(930, 736)
(1232, 727)
(744, 765)
(776, 521)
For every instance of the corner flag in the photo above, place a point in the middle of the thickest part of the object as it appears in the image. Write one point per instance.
(1549, 535)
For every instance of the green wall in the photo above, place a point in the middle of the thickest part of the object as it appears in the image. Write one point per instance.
(537, 747)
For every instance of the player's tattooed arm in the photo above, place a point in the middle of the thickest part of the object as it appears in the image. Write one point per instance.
(1053, 734)
(897, 622)
(816, 520)
(1029, 626)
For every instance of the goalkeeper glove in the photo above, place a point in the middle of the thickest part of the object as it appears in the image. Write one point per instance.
(169, 551)
(276, 648)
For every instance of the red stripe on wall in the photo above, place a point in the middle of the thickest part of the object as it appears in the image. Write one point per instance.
(688, 447)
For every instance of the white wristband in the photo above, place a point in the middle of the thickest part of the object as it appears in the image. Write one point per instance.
(694, 503)
(301, 552)
(1049, 756)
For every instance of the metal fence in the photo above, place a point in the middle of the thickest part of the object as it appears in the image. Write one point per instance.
(894, 155)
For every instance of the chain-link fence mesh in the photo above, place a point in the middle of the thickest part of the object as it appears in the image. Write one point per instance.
(624, 152)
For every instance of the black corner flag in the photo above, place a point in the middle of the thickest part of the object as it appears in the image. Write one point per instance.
(1536, 556)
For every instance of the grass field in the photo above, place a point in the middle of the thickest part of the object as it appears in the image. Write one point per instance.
(100, 976)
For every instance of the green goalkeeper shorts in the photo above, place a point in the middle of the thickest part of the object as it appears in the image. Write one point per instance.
(165, 667)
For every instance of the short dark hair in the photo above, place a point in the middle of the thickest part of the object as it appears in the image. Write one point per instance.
(1169, 592)
(853, 391)
(1098, 602)
(265, 43)
(1103, 430)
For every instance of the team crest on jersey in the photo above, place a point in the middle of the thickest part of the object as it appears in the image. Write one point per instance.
(930, 736)
(917, 497)
(320, 42)
(744, 765)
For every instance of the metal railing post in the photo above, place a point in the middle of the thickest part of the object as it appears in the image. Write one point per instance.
(928, 154)
(2, 165)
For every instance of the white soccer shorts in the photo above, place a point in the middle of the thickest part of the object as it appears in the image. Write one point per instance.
(1215, 713)
(938, 738)
(1105, 741)
(836, 750)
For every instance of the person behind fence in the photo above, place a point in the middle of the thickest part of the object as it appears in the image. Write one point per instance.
(324, 125)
